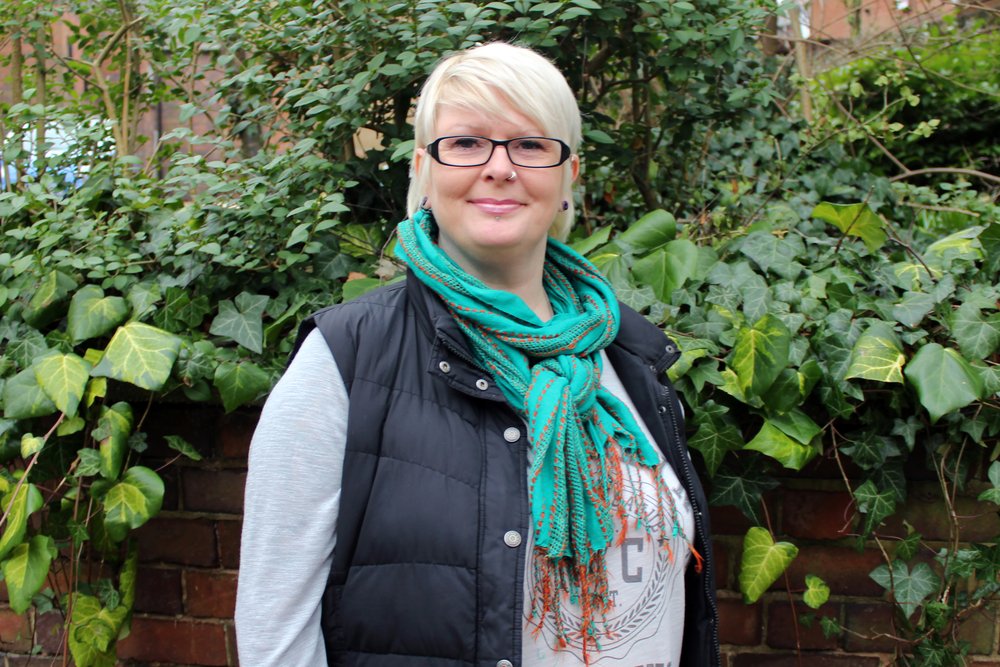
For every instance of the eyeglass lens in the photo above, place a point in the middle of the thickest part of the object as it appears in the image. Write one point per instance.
(523, 151)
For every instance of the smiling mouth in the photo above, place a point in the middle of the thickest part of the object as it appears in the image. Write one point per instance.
(496, 207)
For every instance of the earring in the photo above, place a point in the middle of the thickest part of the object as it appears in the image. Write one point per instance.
(565, 205)
(423, 204)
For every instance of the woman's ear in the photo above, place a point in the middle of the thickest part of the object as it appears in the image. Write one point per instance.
(418, 158)
(574, 166)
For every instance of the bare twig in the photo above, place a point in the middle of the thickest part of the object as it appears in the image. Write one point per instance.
(907, 173)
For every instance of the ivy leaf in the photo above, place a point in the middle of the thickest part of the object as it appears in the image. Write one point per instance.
(651, 231)
(23, 398)
(112, 432)
(874, 504)
(91, 314)
(18, 504)
(773, 254)
(713, 439)
(179, 444)
(240, 383)
(853, 220)
(816, 593)
(977, 336)
(774, 442)
(142, 297)
(598, 238)
(944, 380)
(869, 450)
(26, 570)
(792, 387)
(993, 495)
(912, 308)
(760, 354)
(355, 288)
(63, 378)
(763, 562)
(908, 588)
(132, 502)
(741, 490)
(141, 355)
(48, 300)
(180, 312)
(93, 631)
(877, 355)
(242, 322)
(668, 268)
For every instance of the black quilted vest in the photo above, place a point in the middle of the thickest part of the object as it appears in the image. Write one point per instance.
(435, 480)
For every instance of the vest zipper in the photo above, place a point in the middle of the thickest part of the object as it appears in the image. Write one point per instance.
(699, 523)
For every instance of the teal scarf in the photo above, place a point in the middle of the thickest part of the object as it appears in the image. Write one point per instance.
(550, 373)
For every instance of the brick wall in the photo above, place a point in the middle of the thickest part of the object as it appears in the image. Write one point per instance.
(190, 558)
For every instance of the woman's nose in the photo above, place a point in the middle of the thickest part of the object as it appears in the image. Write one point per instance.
(499, 165)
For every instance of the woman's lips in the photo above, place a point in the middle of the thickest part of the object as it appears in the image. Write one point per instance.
(496, 207)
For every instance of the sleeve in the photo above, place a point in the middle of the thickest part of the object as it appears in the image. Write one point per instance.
(291, 504)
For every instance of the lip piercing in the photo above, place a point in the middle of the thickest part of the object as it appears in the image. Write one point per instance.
(512, 176)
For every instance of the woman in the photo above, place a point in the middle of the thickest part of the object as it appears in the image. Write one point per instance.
(483, 464)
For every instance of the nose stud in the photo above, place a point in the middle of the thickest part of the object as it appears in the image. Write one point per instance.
(513, 175)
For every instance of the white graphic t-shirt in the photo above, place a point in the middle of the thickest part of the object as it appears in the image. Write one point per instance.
(646, 581)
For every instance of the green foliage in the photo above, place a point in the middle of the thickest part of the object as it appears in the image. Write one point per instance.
(762, 563)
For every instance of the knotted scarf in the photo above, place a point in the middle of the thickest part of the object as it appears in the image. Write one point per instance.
(550, 373)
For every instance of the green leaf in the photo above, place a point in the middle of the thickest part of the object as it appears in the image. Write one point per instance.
(180, 313)
(993, 495)
(762, 563)
(874, 504)
(48, 300)
(773, 442)
(816, 593)
(667, 268)
(977, 336)
(877, 355)
(773, 254)
(792, 387)
(23, 397)
(944, 380)
(908, 588)
(913, 307)
(141, 355)
(18, 504)
(760, 354)
(63, 378)
(30, 445)
(713, 439)
(142, 297)
(240, 383)
(853, 220)
(242, 322)
(132, 502)
(742, 491)
(595, 240)
(355, 288)
(648, 233)
(26, 570)
(179, 444)
(91, 314)
(113, 430)
(92, 633)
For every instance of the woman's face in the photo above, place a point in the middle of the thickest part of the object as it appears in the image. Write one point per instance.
(487, 222)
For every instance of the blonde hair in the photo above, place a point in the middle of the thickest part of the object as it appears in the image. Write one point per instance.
(484, 79)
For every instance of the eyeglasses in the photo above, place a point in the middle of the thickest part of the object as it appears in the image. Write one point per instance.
(531, 152)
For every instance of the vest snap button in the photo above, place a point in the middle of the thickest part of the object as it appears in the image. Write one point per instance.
(445, 367)
(662, 409)
(511, 434)
(505, 663)
(482, 384)
(512, 539)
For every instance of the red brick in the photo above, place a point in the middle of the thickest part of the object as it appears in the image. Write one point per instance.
(793, 660)
(720, 550)
(727, 520)
(196, 424)
(213, 490)
(739, 623)
(229, 533)
(231, 639)
(34, 661)
(15, 635)
(210, 594)
(785, 630)
(235, 431)
(158, 591)
(928, 515)
(870, 628)
(979, 629)
(814, 515)
(175, 641)
(49, 632)
(181, 541)
(845, 570)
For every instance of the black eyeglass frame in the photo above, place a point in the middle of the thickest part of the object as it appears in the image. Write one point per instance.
(565, 152)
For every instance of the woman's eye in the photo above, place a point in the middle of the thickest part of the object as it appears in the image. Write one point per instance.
(529, 145)
(466, 143)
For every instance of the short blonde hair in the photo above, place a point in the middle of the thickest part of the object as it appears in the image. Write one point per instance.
(485, 78)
